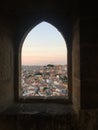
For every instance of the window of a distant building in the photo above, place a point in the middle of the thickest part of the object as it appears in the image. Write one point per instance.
(44, 64)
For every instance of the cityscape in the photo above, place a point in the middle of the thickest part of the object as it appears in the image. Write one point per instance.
(47, 81)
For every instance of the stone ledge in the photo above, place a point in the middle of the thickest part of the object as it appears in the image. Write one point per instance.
(44, 109)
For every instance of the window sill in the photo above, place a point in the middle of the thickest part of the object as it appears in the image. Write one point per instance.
(55, 100)
(39, 109)
(41, 116)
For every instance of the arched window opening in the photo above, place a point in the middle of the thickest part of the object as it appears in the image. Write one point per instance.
(44, 63)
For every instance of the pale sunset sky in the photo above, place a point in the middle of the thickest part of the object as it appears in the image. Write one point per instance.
(44, 45)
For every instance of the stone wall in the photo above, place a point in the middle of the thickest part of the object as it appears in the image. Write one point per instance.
(6, 66)
(88, 120)
(76, 67)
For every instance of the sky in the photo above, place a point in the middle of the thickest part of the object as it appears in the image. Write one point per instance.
(44, 45)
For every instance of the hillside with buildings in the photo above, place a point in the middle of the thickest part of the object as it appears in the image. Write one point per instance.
(49, 80)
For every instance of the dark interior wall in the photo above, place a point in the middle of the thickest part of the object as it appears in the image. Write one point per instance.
(76, 66)
(89, 61)
(8, 123)
(6, 65)
(85, 63)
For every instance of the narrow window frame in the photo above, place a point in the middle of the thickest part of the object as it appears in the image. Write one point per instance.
(53, 99)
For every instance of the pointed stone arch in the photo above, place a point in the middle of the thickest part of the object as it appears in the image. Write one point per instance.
(52, 28)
